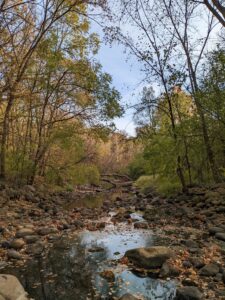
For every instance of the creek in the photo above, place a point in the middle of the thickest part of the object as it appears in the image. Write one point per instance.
(72, 268)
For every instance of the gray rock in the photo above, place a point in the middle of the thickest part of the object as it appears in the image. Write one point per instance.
(191, 244)
(220, 236)
(197, 262)
(14, 254)
(17, 244)
(30, 239)
(11, 289)
(128, 297)
(214, 230)
(24, 232)
(153, 257)
(188, 293)
(35, 249)
(168, 270)
(3, 264)
(47, 230)
(209, 270)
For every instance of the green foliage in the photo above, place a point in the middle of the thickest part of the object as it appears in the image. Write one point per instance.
(164, 142)
(137, 167)
(164, 186)
(85, 174)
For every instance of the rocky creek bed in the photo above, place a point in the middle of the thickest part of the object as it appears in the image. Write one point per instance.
(68, 245)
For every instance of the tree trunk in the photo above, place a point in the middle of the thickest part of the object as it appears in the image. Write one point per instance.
(5, 130)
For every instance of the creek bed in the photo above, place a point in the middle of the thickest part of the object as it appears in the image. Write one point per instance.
(71, 270)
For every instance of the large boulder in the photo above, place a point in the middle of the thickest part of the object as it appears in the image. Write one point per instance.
(11, 289)
(153, 257)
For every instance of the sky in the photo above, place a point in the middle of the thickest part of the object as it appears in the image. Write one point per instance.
(126, 78)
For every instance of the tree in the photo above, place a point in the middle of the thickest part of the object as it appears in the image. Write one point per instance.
(217, 9)
(50, 86)
(23, 26)
(164, 42)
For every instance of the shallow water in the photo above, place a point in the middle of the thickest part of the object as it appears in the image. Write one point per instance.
(71, 269)
(94, 200)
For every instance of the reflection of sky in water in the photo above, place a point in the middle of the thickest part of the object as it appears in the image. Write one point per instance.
(120, 240)
(76, 270)
(144, 288)
(117, 241)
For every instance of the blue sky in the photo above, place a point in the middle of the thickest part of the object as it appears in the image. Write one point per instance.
(127, 77)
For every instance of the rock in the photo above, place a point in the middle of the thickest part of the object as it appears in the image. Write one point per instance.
(209, 270)
(101, 225)
(197, 262)
(189, 282)
(141, 225)
(96, 249)
(128, 297)
(17, 244)
(153, 257)
(14, 254)
(30, 188)
(47, 230)
(35, 249)
(3, 264)
(108, 275)
(191, 244)
(30, 239)
(11, 289)
(5, 244)
(24, 232)
(168, 270)
(53, 237)
(214, 230)
(188, 293)
(78, 224)
(220, 236)
(187, 264)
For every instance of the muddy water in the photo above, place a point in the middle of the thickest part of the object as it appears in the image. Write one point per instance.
(71, 271)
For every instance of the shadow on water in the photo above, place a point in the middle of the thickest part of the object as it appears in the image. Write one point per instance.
(71, 271)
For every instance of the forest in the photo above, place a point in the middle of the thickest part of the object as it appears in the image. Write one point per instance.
(77, 192)
(58, 105)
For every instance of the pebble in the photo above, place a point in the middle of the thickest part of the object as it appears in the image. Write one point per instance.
(24, 232)
(30, 239)
(220, 236)
(17, 244)
(14, 254)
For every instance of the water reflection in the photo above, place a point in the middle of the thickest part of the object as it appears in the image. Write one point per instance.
(95, 200)
(71, 270)
(88, 201)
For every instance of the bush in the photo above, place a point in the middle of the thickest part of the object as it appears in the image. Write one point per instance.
(164, 186)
